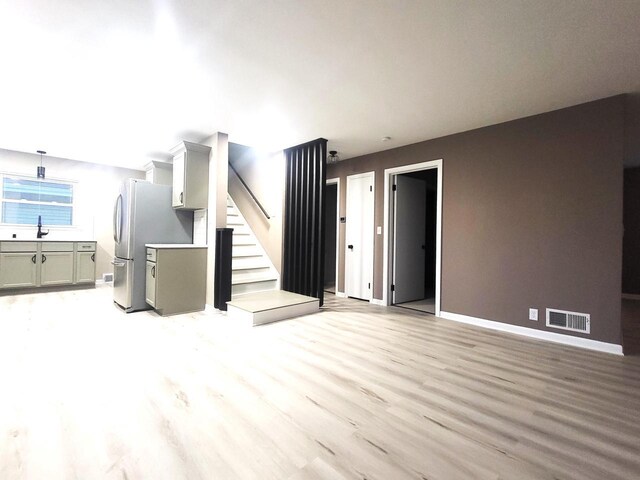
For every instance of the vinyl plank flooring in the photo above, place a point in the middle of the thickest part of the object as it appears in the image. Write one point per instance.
(356, 391)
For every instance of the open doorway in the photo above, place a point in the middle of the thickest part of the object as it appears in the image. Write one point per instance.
(413, 199)
(414, 266)
(331, 216)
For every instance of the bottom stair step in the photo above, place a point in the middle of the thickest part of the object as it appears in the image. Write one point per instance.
(266, 307)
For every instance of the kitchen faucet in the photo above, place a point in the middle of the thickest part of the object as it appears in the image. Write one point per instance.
(40, 232)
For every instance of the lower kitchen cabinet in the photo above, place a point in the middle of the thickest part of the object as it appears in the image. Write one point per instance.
(18, 270)
(56, 268)
(176, 278)
(150, 287)
(28, 264)
(85, 267)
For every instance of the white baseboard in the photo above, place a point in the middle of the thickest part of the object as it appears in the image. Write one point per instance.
(341, 294)
(631, 296)
(100, 281)
(377, 301)
(533, 333)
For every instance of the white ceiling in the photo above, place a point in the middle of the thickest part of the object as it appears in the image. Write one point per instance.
(122, 81)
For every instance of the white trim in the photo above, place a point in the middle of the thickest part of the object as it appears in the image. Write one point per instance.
(377, 301)
(100, 281)
(341, 294)
(631, 296)
(373, 233)
(337, 182)
(533, 333)
(388, 173)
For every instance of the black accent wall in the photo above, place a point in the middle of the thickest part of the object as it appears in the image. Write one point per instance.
(303, 252)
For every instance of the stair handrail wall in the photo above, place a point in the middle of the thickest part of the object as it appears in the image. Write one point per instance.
(255, 199)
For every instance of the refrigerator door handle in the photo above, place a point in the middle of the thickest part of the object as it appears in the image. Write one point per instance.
(118, 220)
(117, 264)
(115, 219)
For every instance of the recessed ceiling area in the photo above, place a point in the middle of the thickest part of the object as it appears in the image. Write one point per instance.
(121, 82)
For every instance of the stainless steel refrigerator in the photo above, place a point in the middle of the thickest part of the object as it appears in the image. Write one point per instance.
(142, 214)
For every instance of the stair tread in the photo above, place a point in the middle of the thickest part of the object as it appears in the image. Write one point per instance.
(245, 282)
(261, 266)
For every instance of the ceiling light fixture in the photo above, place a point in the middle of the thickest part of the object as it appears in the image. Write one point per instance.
(41, 168)
(333, 157)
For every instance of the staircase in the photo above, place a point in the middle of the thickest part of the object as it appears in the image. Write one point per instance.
(252, 271)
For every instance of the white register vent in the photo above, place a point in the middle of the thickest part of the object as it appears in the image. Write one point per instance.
(576, 322)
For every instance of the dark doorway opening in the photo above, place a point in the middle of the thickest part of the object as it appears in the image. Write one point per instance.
(330, 226)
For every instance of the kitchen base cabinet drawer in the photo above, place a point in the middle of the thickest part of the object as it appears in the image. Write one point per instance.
(57, 246)
(86, 246)
(18, 246)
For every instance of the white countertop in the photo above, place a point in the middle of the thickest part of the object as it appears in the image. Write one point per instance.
(44, 240)
(173, 245)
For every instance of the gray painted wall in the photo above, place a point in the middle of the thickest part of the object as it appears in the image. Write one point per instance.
(532, 215)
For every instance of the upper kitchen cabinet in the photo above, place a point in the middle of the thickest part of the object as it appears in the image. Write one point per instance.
(190, 176)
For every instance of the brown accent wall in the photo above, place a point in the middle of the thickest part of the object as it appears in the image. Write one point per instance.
(532, 215)
(631, 244)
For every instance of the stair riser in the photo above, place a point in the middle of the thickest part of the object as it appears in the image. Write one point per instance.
(248, 262)
(253, 275)
(245, 250)
(243, 288)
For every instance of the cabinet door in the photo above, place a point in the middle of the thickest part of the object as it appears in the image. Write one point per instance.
(56, 268)
(179, 164)
(85, 267)
(150, 289)
(18, 270)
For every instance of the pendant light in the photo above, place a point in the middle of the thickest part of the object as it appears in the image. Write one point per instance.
(333, 157)
(41, 168)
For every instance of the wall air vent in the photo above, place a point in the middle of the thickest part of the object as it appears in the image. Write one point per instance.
(107, 277)
(576, 322)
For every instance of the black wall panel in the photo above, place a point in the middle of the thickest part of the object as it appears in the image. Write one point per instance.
(303, 253)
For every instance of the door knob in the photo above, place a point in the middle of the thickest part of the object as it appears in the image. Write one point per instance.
(350, 247)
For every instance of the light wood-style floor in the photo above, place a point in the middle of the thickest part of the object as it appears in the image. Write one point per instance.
(354, 392)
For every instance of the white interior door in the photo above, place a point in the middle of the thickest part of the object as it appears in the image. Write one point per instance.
(359, 236)
(409, 239)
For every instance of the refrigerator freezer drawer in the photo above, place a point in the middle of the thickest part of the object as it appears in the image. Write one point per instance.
(122, 282)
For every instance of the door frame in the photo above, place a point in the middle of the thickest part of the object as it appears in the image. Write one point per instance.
(372, 233)
(336, 181)
(387, 271)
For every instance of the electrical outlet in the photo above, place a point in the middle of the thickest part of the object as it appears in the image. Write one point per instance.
(533, 314)
(379, 230)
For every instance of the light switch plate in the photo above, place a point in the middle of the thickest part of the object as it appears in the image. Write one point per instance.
(379, 230)
(533, 314)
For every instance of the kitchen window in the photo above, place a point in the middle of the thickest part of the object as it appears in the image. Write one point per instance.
(24, 199)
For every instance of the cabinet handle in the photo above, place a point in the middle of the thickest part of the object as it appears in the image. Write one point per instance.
(93, 257)
(153, 271)
(44, 259)
(33, 259)
(181, 197)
